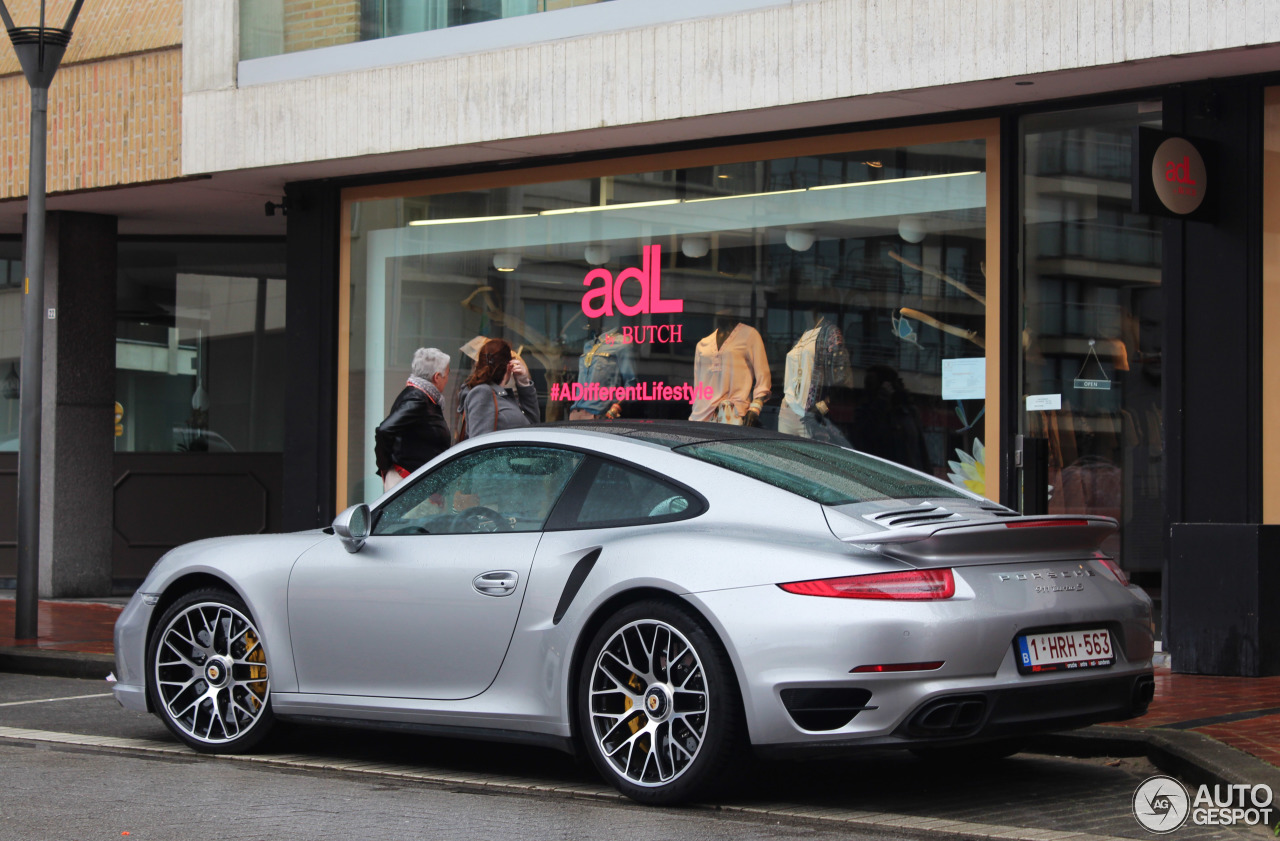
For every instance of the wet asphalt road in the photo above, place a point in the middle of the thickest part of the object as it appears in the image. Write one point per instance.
(84, 791)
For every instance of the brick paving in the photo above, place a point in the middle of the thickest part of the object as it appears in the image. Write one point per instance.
(1241, 712)
(63, 626)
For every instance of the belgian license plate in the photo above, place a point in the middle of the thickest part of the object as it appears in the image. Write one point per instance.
(1063, 650)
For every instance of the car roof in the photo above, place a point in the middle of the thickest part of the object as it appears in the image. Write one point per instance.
(671, 433)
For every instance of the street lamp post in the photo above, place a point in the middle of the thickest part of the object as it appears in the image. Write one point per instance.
(40, 50)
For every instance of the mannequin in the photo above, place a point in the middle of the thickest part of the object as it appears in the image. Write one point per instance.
(818, 361)
(607, 362)
(731, 361)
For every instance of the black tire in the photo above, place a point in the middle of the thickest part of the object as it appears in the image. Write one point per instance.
(631, 698)
(207, 673)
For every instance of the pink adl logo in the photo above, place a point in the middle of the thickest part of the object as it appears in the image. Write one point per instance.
(605, 298)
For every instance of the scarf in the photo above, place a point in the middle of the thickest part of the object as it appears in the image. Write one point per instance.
(425, 386)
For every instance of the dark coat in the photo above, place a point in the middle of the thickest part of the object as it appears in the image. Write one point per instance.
(413, 433)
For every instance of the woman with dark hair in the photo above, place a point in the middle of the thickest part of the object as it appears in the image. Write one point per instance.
(499, 393)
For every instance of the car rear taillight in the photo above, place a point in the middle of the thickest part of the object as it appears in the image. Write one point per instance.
(1113, 568)
(912, 585)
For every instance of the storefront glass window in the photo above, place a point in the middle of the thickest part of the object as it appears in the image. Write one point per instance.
(1092, 327)
(843, 295)
(200, 346)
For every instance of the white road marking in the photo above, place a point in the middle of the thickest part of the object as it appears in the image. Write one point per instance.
(427, 774)
(51, 700)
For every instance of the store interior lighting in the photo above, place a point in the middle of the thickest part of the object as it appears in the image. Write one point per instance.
(911, 229)
(506, 261)
(695, 247)
(799, 239)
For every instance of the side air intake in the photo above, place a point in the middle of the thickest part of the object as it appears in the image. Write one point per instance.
(825, 709)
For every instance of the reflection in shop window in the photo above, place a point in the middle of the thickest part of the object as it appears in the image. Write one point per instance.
(200, 347)
(11, 275)
(1092, 331)
(818, 295)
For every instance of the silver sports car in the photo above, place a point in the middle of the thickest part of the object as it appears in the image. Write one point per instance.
(660, 596)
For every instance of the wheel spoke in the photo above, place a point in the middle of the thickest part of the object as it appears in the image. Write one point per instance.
(182, 658)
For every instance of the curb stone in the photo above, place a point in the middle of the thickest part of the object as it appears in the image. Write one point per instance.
(1195, 757)
(46, 662)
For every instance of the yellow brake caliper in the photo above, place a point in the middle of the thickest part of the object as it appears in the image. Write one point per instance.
(256, 655)
(637, 686)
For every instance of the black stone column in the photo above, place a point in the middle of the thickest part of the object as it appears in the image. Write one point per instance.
(311, 318)
(78, 405)
(1222, 567)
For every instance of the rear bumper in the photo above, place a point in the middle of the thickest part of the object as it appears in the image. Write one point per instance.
(978, 716)
(798, 662)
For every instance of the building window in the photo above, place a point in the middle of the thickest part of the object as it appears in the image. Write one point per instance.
(11, 276)
(273, 27)
(200, 346)
(1093, 327)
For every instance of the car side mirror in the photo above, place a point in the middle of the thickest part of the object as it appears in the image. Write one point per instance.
(352, 527)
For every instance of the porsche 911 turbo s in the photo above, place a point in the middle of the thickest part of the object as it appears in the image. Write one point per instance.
(657, 595)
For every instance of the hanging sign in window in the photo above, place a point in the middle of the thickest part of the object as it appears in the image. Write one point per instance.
(1099, 383)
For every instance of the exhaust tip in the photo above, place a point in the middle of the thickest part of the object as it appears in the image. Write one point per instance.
(1144, 692)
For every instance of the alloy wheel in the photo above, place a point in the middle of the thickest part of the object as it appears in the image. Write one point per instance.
(649, 705)
(211, 673)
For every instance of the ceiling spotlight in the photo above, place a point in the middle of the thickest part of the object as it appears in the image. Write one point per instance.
(799, 239)
(911, 229)
(596, 255)
(695, 247)
(506, 261)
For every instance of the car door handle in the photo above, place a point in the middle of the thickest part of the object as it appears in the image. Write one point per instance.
(498, 583)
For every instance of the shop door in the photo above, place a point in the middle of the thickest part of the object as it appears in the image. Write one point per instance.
(1092, 330)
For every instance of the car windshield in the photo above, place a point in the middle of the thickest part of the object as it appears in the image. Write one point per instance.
(821, 472)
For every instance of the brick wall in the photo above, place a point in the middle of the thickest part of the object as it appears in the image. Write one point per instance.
(104, 29)
(115, 104)
(309, 24)
(110, 123)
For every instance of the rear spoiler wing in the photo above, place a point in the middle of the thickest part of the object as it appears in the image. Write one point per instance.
(1004, 540)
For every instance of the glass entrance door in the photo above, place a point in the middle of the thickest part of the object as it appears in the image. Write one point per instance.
(1092, 328)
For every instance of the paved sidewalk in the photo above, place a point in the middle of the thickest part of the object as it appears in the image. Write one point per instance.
(74, 637)
(1210, 729)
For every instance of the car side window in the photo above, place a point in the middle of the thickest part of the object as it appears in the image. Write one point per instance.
(620, 495)
(491, 490)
